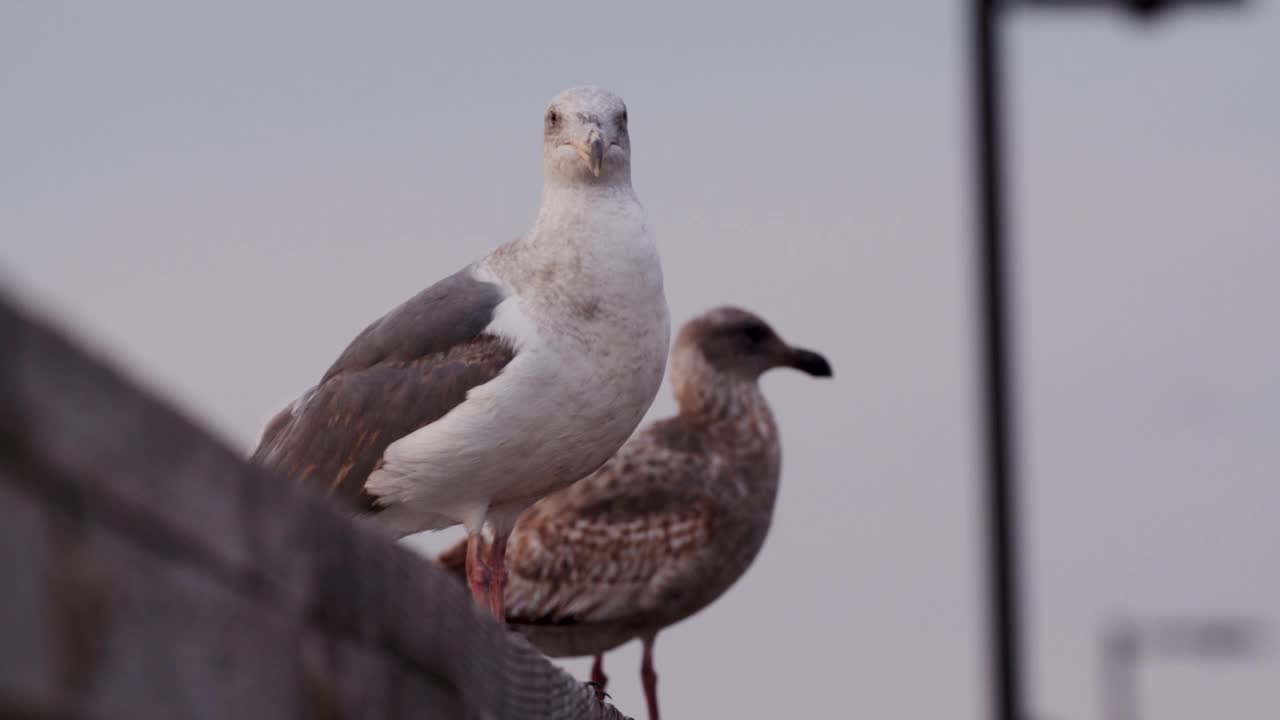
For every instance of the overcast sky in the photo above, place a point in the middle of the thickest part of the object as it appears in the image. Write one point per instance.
(219, 198)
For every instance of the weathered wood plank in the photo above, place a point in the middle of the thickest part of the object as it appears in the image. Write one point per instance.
(161, 640)
(30, 655)
(154, 574)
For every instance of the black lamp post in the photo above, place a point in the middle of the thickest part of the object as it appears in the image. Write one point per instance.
(996, 361)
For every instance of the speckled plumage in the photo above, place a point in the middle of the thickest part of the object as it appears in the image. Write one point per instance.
(658, 533)
(674, 518)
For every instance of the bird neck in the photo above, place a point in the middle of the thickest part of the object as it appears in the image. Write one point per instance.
(725, 401)
(733, 416)
(589, 259)
(592, 238)
(571, 204)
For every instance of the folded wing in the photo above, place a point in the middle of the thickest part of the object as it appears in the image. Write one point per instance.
(622, 545)
(403, 372)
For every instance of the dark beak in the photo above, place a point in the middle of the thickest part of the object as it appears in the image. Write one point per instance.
(810, 362)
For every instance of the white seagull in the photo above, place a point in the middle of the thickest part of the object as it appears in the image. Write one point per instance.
(508, 380)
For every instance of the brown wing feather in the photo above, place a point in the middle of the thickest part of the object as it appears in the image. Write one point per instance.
(335, 435)
(619, 546)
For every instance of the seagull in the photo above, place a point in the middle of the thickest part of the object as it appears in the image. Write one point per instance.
(672, 520)
(508, 380)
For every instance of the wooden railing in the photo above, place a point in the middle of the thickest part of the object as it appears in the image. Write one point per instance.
(146, 571)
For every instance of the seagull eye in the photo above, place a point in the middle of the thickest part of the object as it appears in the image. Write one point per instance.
(622, 119)
(553, 118)
(756, 333)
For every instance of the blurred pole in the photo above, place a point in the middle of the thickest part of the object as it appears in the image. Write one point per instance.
(996, 366)
(996, 358)
(1140, 8)
(1125, 643)
(1119, 665)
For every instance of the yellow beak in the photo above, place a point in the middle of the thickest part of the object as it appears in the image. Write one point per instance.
(592, 151)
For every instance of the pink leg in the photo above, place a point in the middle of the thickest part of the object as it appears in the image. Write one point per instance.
(479, 577)
(597, 671)
(649, 678)
(498, 573)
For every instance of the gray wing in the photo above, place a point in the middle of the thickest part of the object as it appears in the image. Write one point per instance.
(404, 371)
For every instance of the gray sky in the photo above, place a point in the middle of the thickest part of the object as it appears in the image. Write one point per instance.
(220, 197)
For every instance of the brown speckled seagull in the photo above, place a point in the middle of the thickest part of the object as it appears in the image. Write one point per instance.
(672, 520)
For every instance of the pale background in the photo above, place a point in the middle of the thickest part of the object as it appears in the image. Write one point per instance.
(220, 197)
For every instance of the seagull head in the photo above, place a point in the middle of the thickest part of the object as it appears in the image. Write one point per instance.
(585, 138)
(729, 342)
